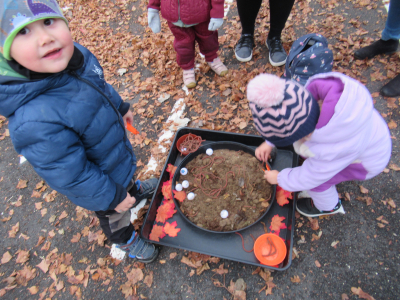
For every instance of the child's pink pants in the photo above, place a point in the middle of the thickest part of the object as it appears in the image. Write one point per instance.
(184, 43)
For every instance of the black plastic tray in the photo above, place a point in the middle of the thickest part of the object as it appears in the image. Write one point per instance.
(227, 245)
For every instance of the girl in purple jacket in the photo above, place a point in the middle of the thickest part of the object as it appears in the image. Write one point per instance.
(331, 123)
(191, 21)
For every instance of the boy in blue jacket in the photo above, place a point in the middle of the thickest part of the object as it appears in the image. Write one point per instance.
(67, 121)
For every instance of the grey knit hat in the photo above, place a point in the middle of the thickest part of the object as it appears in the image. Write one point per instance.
(16, 14)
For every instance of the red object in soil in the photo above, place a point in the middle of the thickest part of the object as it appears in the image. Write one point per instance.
(188, 143)
(131, 128)
(270, 249)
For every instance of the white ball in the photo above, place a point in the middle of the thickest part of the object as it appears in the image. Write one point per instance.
(209, 151)
(178, 187)
(224, 214)
(190, 196)
(185, 184)
(184, 171)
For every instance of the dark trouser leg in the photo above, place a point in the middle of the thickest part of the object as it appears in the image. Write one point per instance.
(207, 40)
(117, 227)
(183, 45)
(248, 11)
(279, 13)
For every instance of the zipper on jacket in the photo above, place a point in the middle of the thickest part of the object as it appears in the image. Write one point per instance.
(109, 102)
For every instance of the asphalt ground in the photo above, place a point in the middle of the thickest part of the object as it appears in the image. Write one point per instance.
(356, 251)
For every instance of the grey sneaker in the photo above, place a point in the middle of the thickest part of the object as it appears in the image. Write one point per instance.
(141, 250)
(277, 55)
(244, 48)
(146, 189)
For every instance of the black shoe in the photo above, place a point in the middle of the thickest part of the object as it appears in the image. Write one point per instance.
(376, 48)
(146, 189)
(277, 55)
(392, 88)
(143, 251)
(305, 206)
(244, 48)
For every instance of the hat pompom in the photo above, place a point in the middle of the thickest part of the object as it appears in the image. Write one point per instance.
(266, 90)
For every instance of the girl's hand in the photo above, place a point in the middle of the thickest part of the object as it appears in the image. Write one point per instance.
(126, 204)
(128, 118)
(263, 151)
(271, 176)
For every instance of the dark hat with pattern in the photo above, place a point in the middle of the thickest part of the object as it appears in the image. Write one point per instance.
(283, 110)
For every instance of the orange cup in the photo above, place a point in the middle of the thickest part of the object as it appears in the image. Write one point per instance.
(270, 249)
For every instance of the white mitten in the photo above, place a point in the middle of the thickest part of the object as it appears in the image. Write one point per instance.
(153, 18)
(215, 23)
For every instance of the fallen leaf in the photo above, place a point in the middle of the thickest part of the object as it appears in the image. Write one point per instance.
(63, 215)
(363, 190)
(135, 275)
(23, 256)
(172, 255)
(391, 203)
(43, 212)
(14, 229)
(392, 124)
(170, 229)
(76, 238)
(317, 264)
(394, 167)
(334, 244)
(148, 280)
(156, 233)
(220, 270)
(6, 257)
(203, 268)
(33, 290)
(180, 196)
(345, 297)
(295, 279)
(165, 211)
(167, 190)
(282, 196)
(44, 266)
(360, 293)
(276, 224)
(22, 184)
(38, 205)
(313, 223)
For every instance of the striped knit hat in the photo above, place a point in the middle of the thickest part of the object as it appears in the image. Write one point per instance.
(16, 14)
(283, 110)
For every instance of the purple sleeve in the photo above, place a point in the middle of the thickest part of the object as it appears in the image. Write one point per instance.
(313, 172)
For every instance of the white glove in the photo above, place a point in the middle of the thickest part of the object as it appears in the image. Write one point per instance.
(153, 18)
(215, 24)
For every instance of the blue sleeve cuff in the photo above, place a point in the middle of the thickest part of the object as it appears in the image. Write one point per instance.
(123, 108)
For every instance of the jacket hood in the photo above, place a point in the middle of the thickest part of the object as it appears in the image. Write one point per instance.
(7, 74)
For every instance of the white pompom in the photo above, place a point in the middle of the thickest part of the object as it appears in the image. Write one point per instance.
(184, 171)
(224, 214)
(178, 187)
(185, 184)
(191, 196)
(209, 151)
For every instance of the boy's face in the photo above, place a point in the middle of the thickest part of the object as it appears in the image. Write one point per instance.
(44, 46)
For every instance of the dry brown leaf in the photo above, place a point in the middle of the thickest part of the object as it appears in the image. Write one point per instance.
(76, 238)
(220, 270)
(63, 215)
(361, 294)
(33, 290)
(23, 256)
(148, 280)
(203, 268)
(22, 184)
(135, 275)
(391, 203)
(38, 205)
(43, 212)
(317, 264)
(295, 279)
(345, 297)
(347, 196)
(313, 223)
(44, 266)
(14, 229)
(394, 167)
(40, 241)
(363, 190)
(36, 194)
(6, 258)
(172, 255)
(392, 124)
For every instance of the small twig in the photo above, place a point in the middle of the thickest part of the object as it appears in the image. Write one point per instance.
(248, 251)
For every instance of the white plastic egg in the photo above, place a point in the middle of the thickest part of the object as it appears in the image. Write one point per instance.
(224, 214)
(190, 196)
(185, 184)
(184, 171)
(209, 151)
(178, 187)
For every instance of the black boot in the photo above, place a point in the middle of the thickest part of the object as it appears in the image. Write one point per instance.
(376, 48)
(392, 88)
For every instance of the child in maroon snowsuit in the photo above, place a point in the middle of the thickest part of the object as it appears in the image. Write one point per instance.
(190, 21)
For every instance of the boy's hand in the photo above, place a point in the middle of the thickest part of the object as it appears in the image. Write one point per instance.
(126, 204)
(128, 118)
(263, 152)
(271, 176)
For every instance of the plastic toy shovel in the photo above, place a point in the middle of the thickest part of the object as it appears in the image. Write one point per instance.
(131, 128)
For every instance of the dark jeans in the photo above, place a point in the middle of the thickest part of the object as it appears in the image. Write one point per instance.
(117, 226)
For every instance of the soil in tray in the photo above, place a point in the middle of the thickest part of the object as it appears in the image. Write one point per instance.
(227, 180)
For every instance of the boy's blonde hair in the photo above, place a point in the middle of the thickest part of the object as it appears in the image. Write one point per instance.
(16, 14)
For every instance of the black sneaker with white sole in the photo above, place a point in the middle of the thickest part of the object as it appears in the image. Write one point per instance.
(305, 206)
(244, 48)
(277, 54)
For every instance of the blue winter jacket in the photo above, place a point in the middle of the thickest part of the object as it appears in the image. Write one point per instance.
(69, 128)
